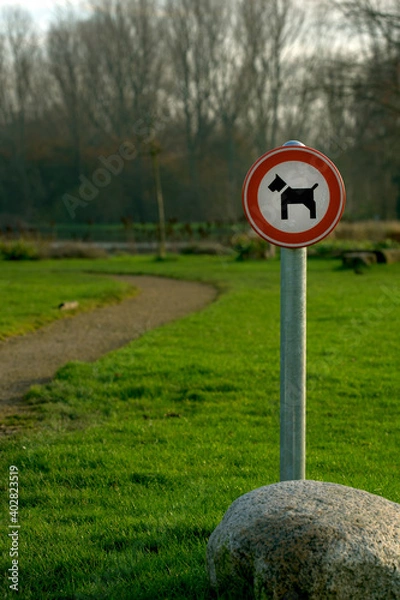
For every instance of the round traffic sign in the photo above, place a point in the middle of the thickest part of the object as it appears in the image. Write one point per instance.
(293, 196)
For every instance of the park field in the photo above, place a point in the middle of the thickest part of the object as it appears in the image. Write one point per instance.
(32, 292)
(131, 461)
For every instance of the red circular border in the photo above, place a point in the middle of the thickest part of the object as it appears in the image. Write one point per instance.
(269, 160)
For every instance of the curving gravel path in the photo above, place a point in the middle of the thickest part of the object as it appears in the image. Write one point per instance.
(34, 358)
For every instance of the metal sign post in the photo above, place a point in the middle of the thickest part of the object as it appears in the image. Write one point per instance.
(293, 196)
(293, 364)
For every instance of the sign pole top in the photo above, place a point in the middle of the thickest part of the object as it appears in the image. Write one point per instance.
(293, 143)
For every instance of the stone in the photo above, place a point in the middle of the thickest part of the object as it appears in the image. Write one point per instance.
(68, 305)
(307, 540)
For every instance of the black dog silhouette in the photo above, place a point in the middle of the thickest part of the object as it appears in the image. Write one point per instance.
(294, 196)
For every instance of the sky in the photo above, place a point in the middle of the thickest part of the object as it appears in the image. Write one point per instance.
(41, 10)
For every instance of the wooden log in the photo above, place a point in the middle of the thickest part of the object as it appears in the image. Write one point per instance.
(388, 255)
(360, 258)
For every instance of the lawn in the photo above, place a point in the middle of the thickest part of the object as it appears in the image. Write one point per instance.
(31, 293)
(135, 458)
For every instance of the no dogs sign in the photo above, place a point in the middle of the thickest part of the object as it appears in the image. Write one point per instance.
(293, 196)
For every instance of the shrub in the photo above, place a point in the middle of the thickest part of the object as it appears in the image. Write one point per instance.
(373, 231)
(23, 249)
(335, 248)
(210, 248)
(249, 247)
(75, 250)
(19, 250)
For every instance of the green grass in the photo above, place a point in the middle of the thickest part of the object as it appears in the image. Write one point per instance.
(136, 457)
(32, 292)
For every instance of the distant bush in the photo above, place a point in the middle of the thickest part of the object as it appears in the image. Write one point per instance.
(74, 250)
(210, 248)
(390, 244)
(19, 250)
(249, 247)
(25, 249)
(373, 231)
(334, 248)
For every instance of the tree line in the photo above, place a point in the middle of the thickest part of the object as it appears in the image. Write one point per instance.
(206, 86)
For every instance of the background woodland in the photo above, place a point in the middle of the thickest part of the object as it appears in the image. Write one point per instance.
(204, 87)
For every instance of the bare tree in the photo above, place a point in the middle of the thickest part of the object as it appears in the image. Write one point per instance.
(123, 63)
(123, 70)
(377, 23)
(232, 89)
(374, 86)
(64, 56)
(194, 35)
(19, 51)
(274, 28)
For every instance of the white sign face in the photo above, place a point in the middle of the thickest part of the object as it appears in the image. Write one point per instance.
(293, 196)
(298, 177)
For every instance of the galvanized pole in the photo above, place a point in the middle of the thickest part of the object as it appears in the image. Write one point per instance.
(293, 361)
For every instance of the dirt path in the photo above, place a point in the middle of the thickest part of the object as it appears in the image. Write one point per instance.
(34, 358)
